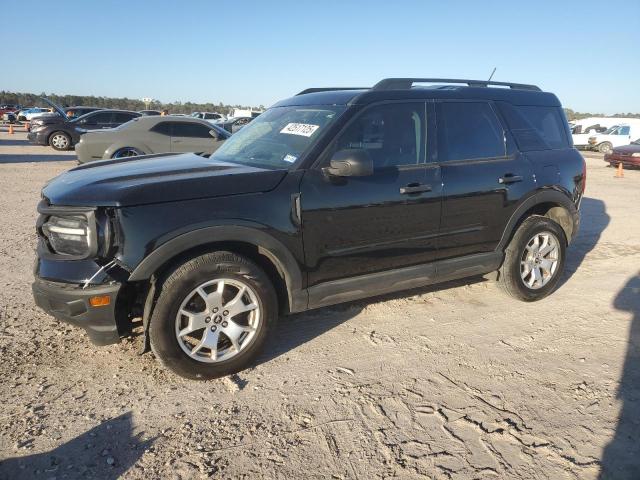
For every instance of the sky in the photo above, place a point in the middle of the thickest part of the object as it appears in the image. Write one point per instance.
(258, 52)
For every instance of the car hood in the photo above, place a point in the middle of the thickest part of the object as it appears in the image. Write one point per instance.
(154, 179)
(633, 148)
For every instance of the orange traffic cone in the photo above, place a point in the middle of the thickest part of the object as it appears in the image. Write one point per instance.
(11, 129)
(620, 171)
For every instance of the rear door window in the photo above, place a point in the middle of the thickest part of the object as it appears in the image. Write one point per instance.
(188, 129)
(468, 131)
(102, 118)
(123, 117)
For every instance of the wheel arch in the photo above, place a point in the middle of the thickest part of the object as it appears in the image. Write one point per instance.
(113, 148)
(266, 251)
(548, 203)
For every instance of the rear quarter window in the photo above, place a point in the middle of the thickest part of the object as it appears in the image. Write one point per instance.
(536, 127)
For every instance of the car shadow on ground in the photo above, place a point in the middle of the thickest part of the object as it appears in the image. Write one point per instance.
(30, 158)
(295, 330)
(106, 451)
(621, 457)
(594, 219)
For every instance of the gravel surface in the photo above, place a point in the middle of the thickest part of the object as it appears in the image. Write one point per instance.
(455, 381)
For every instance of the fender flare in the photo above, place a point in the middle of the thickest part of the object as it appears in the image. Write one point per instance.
(267, 245)
(543, 196)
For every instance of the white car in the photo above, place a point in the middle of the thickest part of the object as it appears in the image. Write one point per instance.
(616, 136)
(584, 128)
(31, 113)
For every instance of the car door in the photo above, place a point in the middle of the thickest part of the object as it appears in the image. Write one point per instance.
(483, 175)
(191, 137)
(387, 220)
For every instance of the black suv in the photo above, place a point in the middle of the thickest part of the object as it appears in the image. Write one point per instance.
(329, 196)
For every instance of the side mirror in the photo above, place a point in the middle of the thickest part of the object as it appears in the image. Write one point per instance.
(353, 162)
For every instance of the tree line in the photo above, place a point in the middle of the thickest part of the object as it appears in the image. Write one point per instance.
(33, 100)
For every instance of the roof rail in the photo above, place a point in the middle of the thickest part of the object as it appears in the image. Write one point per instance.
(407, 83)
(329, 89)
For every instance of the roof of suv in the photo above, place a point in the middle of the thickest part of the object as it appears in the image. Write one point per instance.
(403, 88)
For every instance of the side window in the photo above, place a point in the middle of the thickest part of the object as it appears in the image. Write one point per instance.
(537, 127)
(188, 129)
(469, 130)
(393, 134)
(101, 118)
(624, 130)
(122, 117)
(163, 128)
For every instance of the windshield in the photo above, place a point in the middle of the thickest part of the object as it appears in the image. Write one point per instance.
(610, 131)
(278, 137)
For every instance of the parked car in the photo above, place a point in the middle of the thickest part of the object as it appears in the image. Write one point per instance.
(327, 197)
(232, 125)
(147, 135)
(627, 155)
(149, 112)
(31, 113)
(584, 128)
(208, 115)
(59, 114)
(21, 114)
(10, 117)
(616, 136)
(64, 135)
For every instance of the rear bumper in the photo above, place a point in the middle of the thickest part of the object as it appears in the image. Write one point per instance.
(70, 303)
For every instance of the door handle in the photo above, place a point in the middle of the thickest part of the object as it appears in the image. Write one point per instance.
(510, 178)
(415, 188)
(176, 141)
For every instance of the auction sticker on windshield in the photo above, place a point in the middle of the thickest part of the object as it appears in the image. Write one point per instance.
(303, 129)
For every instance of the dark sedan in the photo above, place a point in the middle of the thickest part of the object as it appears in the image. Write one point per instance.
(627, 155)
(64, 135)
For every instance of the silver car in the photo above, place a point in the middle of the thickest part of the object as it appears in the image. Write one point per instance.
(151, 134)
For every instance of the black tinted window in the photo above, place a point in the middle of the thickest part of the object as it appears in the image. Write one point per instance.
(103, 117)
(537, 128)
(123, 117)
(393, 134)
(187, 129)
(469, 130)
(163, 128)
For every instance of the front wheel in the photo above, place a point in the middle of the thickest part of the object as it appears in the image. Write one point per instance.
(534, 260)
(212, 316)
(60, 141)
(605, 147)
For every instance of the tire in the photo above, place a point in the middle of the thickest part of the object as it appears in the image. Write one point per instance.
(605, 147)
(180, 293)
(518, 260)
(126, 152)
(60, 141)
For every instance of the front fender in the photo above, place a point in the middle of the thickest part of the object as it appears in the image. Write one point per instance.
(267, 245)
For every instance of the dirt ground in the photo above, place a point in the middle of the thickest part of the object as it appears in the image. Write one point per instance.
(454, 381)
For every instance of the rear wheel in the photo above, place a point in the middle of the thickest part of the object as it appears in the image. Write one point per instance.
(127, 152)
(534, 260)
(212, 316)
(60, 141)
(605, 147)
